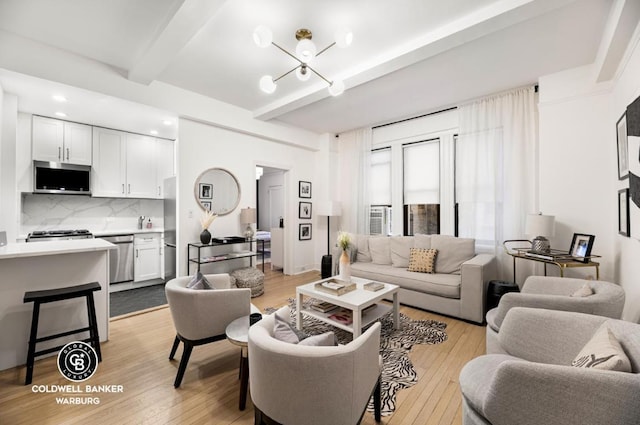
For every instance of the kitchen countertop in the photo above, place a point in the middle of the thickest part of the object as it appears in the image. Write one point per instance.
(35, 249)
(100, 233)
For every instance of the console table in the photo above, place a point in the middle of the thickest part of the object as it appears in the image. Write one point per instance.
(198, 248)
(562, 262)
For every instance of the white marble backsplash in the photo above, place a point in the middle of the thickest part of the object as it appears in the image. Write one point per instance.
(69, 212)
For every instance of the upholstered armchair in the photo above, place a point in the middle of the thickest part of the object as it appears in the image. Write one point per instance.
(201, 316)
(534, 383)
(293, 384)
(554, 293)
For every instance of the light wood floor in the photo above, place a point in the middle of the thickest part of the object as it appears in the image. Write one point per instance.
(136, 357)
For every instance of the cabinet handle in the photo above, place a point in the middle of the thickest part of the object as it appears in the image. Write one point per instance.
(136, 253)
(158, 190)
(67, 154)
(129, 188)
(59, 153)
(123, 188)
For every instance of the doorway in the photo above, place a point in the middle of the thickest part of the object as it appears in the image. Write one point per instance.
(270, 211)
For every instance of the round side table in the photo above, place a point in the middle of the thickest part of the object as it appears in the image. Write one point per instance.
(237, 333)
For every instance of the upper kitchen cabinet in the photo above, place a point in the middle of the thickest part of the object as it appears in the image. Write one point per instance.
(127, 165)
(61, 141)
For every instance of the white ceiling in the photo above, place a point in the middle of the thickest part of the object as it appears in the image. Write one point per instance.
(409, 57)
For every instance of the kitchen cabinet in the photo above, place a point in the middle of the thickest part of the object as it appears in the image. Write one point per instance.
(147, 256)
(61, 141)
(127, 165)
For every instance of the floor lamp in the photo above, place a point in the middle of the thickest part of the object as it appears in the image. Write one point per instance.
(330, 209)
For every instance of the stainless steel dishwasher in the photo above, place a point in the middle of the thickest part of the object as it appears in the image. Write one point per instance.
(120, 259)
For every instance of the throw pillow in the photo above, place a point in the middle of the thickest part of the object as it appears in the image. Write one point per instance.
(327, 339)
(452, 252)
(198, 281)
(584, 291)
(400, 248)
(603, 351)
(380, 250)
(422, 260)
(282, 328)
(362, 251)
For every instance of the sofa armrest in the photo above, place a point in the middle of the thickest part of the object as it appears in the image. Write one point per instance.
(547, 336)
(475, 276)
(561, 395)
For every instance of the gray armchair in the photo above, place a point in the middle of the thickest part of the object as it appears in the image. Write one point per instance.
(294, 384)
(202, 316)
(534, 383)
(553, 293)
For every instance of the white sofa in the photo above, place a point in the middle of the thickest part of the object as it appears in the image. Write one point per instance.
(457, 288)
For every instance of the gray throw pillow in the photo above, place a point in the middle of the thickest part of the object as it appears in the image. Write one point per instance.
(198, 281)
(327, 339)
(283, 330)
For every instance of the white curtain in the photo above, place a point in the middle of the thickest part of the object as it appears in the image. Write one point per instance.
(496, 177)
(355, 168)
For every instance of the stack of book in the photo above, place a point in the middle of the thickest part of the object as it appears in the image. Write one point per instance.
(323, 307)
(549, 256)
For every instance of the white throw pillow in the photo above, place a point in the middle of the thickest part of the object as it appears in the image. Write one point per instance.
(584, 291)
(603, 351)
(327, 339)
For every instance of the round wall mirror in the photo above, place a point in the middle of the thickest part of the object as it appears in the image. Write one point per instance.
(217, 190)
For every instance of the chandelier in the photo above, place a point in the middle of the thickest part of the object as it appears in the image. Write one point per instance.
(305, 54)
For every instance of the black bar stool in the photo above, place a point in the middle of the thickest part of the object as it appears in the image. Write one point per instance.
(59, 294)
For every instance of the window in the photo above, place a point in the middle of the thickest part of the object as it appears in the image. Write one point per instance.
(421, 173)
(380, 212)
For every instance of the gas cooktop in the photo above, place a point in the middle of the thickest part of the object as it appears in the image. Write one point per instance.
(44, 235)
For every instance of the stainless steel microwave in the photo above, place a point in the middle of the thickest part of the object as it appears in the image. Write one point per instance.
(54, 177)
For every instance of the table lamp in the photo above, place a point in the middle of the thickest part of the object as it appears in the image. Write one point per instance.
(542, 227)
(248, 217)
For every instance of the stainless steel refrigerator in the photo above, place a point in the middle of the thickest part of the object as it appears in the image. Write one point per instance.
(169, 228)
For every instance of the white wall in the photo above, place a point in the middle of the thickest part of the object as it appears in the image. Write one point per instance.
(578, 168)
(201, 146)
(9, 199)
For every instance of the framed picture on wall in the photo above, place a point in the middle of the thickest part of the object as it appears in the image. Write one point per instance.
(206, 191)
(623, 147)
(304, 189)
(304, 210)
(581, 247)
(206, 205)
(304, 232)
(623, 212)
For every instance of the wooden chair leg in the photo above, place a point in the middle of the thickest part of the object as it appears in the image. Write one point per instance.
(176, 343)
(377, 400)
(186, 353)
(257, 416)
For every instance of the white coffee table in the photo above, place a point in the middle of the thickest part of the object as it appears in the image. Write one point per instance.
(356, 301)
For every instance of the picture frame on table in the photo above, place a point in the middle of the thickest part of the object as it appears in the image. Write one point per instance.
(623, 147)
(304, 189)
(581, 245)
(205, 191)
(304, 210)
(206, 205)
(623, 212)
(304, 232)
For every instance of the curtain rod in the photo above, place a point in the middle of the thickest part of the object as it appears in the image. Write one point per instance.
(413, 118)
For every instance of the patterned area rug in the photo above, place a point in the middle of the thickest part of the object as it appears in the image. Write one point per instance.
(397, 370)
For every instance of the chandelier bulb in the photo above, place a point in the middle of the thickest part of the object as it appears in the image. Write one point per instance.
(343, 37)
(262, 36)
(267, 84)
(336, 88)
(303, 73)
(306, 50)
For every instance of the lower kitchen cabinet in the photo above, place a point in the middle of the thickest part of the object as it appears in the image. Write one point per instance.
(147, 256)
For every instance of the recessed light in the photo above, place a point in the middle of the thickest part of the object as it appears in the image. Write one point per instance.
(167, 122)
(59, 98)
(154, 132)
(61, 114)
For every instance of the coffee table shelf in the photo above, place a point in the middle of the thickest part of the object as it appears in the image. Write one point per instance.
(368, 317)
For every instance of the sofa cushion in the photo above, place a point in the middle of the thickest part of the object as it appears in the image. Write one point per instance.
(603, 351)
(422, 260)
(444, 285)
(380, 249)
(361, 243)
(422, 241)
(400, 247)
(452, 252)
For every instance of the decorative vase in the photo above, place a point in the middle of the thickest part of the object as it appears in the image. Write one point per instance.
(205, 237)
(345, 266)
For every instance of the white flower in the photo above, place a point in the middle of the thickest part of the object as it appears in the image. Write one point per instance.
(207, 219)
(344, 240)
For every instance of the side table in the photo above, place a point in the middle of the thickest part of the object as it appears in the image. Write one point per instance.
(237, 333)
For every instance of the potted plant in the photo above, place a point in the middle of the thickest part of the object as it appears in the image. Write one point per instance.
(205, 221)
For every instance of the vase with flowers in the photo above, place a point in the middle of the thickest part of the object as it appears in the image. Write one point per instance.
(205, 221)
(344, 241)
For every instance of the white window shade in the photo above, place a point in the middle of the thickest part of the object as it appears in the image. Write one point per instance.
(422, 173)
(380, 182)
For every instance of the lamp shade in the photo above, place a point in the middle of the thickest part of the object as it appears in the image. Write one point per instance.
(330, 209)
(248, 215)
(540, 225)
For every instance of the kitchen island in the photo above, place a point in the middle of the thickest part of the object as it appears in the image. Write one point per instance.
(35, 266)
